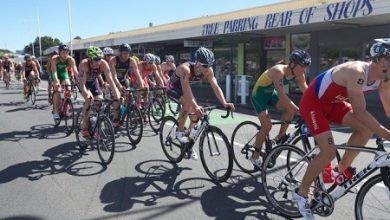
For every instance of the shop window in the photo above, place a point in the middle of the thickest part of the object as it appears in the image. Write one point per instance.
(225, 62)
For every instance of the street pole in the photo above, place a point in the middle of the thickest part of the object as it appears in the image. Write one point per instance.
(39, 35)
(70, 28)
(32, 46)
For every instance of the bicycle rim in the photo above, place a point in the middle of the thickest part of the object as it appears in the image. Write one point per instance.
(373, 200)
(243, 141)
(170, 145)
(279, 181)
(33, 96)
(68, 115)
(134, 125)
(155, 114)
(216, 154)
(105, 140)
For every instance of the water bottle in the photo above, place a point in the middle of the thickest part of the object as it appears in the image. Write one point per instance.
(193, 132)
(304, 130)
(92, 122)
(122, 110)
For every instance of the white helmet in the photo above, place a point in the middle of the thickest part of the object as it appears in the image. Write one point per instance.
(149, 58)
(170, 58)
(108, 51)
(380, 48)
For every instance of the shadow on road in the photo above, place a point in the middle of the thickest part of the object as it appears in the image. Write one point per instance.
(60, 159)
(44, 131)
(239, 199)
(22, 217)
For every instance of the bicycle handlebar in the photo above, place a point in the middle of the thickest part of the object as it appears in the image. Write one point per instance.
(213, 107)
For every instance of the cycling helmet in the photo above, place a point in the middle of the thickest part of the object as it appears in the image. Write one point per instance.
(380, 48)
(124, 48)
(135, 58)
(157, 59)
(27, 57)
(108, 51)
(94, 52)
(63, 47)
(300, 57)
(204, 56)
(33, 57)
(170, 58)
(149, 58)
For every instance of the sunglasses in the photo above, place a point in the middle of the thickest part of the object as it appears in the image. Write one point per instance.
(97, 59)
(204, 65)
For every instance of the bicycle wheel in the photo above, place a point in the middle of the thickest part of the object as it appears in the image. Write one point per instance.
(68, 116)
(243, 142)
(373, 200)
(81, 142)
(74, 92)
(174, 107)
(279, 182)
(155, 114)
(216, 154)
(134, 125)
(105, 140)
(33, 94)
(172, 148)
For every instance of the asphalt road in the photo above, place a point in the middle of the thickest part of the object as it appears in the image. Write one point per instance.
(43, 175)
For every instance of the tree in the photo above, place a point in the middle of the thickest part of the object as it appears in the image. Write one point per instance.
(4, 51)
(46, 42)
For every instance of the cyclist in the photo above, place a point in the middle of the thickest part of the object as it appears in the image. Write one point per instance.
(179, 89)
(148, 70)
(159, 70)
(7, 68)
(90, 69)
(168, 67)
(49, 85)
(125, 73)
(38, 65)
(108, 54)
(269, 91)
(18, 71)
(59, 65)
(337, 95)
(30, 70)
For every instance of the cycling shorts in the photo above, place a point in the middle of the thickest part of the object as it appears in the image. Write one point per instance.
(263, 97)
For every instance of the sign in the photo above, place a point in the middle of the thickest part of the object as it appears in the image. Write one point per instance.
(274, 43)
(193, 43)
(300, 42)
(231, 26)
(185, 56)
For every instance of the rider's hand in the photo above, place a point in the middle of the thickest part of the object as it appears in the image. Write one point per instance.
(57, 86)
(199, 111)
(229, 106)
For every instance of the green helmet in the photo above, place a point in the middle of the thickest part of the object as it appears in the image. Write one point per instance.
(94, 52)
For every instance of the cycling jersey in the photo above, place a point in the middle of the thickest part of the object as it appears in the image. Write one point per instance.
(27, 70)
(146, 74)
(7, 66)
(264, 93)
(92, 82)
(325, 101)
(175, 91)
(62, 72)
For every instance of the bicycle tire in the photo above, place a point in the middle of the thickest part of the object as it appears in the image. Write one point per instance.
(134, 125)
(172, 107)
(81, 142)
(172, 148)
(105, 140)
(155, 114)
(74, 92)
(240, 149)
(68, 116)
(222, 140)
(33, 95)
(292, 212)
(375, 205)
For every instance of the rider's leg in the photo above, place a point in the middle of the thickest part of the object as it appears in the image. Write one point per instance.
(86, 107)
(182, 115)
(326, 155)
(266, 126)
(360, 136)
(287, 116)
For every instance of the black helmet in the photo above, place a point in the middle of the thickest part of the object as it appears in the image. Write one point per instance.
(380, 48)
(27, 57)
(124, 48)
(63, 47)
(300, 57)
(204, 56)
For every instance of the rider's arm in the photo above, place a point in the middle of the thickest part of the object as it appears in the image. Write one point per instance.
(276, 76)
(135, 71)
(83, 79)
(114, 77)
(54, 70)
(157, 75)
(216, 89)
(301, 83)
(355, 82)
(106, 70)
(35, 69)
(72, 63)
(384, 94)
(160, 73)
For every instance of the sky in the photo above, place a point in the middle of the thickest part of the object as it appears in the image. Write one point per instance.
(91, 18)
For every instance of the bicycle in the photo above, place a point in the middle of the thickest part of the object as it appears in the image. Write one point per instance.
(293, 160)
(74, 88)
(7, 78)
(101, 132)
(175, 151)
(66, 112)
(31, 91)
(154, 110)
(244, 136)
